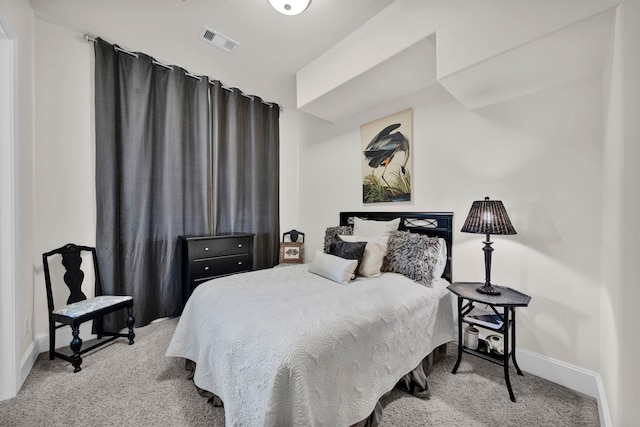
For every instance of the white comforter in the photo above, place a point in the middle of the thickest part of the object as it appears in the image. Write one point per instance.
(285, 347)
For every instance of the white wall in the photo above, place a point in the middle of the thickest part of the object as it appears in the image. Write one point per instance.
(539, 154)
(619, 295)
(289, 166)
(65, 154)
(20, 18)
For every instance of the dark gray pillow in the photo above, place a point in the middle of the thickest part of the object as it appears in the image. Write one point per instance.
(412, 255)
(348, 250)
(331, 234)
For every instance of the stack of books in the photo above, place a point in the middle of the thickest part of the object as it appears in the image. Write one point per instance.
(484, 317)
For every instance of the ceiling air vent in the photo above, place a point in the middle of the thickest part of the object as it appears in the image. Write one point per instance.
(217, 39)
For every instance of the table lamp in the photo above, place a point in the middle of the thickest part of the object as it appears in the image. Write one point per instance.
(488, 217)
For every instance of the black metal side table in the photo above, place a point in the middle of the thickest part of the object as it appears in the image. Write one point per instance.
(508, 299)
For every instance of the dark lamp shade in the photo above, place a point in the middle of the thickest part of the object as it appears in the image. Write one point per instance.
(488, 217)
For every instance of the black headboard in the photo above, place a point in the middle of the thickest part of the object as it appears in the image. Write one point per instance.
(435, 224)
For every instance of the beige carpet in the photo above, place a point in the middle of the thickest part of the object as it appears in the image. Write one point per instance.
(138, 386)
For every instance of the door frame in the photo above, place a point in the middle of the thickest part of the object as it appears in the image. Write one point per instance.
(9, 343)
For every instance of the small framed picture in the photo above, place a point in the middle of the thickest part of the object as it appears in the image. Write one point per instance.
(292, 252)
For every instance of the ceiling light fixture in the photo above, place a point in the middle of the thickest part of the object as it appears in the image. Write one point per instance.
(290, 7)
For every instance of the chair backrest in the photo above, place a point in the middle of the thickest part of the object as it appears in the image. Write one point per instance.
(293, 235)
(74, 276)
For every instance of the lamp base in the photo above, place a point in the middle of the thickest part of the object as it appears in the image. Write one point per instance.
(488, 289)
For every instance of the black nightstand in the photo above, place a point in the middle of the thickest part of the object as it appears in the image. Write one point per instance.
(207, 257)
(509, 299)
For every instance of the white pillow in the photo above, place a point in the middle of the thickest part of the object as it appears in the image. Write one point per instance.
(363, 227)
(441, 264)
(334, 268)
(373, 253)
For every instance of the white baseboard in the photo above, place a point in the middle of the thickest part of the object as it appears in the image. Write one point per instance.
(40, 344)
(603, 406)
(63, 337)
(27, 361)
(567, 375)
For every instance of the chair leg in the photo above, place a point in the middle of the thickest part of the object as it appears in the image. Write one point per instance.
(130, 321)
(52, 340)
(99, 329)
(76, 345)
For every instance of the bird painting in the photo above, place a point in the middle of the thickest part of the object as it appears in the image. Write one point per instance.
(384, 147)
(394, 183)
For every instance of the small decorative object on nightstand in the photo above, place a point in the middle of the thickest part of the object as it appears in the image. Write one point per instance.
(292, 251)
(488, 217)
(471, 337)
(500, 345)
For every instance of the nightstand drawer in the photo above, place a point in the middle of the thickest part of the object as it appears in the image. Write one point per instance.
(207, 268)
(209, 248)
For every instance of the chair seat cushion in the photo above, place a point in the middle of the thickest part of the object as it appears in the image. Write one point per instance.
(80, 308)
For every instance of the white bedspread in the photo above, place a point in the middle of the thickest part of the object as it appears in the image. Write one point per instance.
(284, 347)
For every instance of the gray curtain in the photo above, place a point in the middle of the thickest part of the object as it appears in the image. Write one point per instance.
(152, 177)
(245, 140)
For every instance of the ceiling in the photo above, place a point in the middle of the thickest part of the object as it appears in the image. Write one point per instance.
(272, 47)
(482, 53)
(342, 57)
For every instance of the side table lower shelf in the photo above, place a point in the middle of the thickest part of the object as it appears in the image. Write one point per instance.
(493, 357)
(507, 300)
(502, 360)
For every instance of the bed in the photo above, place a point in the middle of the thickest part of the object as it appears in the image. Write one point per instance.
(289, 347)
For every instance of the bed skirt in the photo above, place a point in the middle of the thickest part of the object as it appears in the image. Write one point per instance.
(415, 383)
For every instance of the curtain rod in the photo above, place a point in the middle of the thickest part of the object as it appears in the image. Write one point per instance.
(91, 39)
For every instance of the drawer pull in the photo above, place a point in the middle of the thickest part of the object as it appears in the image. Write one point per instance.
(206, 268)
(239, 262)
(239, 245)
(206, 249)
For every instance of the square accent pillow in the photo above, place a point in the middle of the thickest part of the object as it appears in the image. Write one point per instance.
(412, 255)
(331, 234)
(441, 265)
(373, 254)
(334, 268)
(368, 228)
(348, 250)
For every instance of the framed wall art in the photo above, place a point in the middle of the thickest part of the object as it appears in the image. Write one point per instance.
(386, 158)
(291, 252)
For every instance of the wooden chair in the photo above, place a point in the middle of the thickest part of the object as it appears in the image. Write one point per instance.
(78, 308)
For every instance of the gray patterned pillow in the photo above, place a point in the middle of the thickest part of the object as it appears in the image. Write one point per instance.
(412, 255)
(331, 234)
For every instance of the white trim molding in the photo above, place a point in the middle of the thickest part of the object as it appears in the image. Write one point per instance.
(63, 338)
(567, 375)
(9, 374)
(28, 360)
(41, 345)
